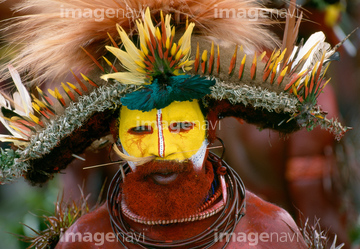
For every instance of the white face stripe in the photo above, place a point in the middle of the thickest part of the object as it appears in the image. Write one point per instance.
(199, 157)
(161, 140)
(131, 163)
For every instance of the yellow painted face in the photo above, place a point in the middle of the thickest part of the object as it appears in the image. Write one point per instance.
(176, 132)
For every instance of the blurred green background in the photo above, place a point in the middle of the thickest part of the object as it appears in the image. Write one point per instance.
(23, 203)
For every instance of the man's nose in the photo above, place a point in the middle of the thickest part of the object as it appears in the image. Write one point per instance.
(153, 148)
(171, 147)
(157, 147)
(166, 145)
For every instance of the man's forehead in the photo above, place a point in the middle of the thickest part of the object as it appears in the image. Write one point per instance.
(176, 111)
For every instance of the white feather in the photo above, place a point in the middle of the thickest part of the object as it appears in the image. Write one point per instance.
(11, 130)
(17, 141)
(18, 104)
(25, 97)
(4, 102)
(316, 38)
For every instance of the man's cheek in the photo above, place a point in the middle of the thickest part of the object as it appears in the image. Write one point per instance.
(139, 145)
(191, 141)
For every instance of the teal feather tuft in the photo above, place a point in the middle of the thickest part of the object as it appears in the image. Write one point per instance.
(166, 89)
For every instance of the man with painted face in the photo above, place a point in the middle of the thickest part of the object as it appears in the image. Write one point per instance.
(180, 193)
(172, 192)
(175, 137)
(175, 193)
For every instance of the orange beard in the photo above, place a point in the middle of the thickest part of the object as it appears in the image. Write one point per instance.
(178, 199)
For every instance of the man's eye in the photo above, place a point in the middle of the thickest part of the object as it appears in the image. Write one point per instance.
(181, 127)
(141, 130)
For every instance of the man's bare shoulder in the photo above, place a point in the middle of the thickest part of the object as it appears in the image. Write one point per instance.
(92, 230)
(265, 225)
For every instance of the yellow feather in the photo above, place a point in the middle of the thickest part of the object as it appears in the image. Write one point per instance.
(186, 38)
(167, 44)
(315, 68)
(72, 85)
(243, 60)
(124, 58)
(140, 64)
(204, 55)
(34, 118)
(35, 106)
(131, 49)
(309, 52)
(167, 25)
(307, 80)
(57, 93)
(283, 72)
(173, 49)
(144, 49)
(65, 87)
(125, 78)
(158, 34)
(179, 53)
(294, 90)
(144, 36)
(261, 56)
(52, 93)
(148, 22)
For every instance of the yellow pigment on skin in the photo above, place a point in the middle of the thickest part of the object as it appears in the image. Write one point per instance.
(178, 145)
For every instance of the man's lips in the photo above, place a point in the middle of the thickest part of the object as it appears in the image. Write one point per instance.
(164, 178)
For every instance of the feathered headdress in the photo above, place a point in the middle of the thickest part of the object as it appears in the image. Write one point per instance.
(206, 61)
